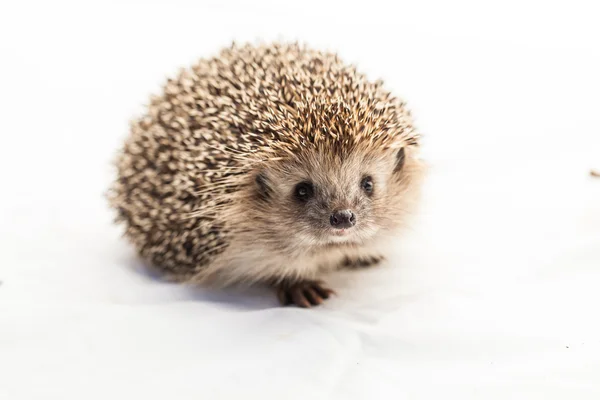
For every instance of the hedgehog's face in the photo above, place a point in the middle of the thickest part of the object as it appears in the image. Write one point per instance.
(320, 199)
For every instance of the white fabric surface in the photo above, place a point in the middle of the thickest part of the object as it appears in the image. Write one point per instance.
(493, 292)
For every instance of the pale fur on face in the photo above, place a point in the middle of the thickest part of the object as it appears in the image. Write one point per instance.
(285, 237)
(336, 181)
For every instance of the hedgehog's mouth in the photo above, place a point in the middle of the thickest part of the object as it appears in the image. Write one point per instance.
(340, 232)
(348, 236)
(339, 235)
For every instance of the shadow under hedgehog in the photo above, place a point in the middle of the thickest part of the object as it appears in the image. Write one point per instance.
(270, 164)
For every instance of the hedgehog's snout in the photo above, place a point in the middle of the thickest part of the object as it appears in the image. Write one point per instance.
(342, 219)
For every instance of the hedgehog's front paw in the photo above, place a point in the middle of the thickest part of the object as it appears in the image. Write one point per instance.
(303, 294)
(362, 262)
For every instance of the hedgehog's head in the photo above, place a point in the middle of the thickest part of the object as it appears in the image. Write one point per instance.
(326, 197)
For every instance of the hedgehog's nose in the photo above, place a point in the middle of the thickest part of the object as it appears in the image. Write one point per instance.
(342, 219)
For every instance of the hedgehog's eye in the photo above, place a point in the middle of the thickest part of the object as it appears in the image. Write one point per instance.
(400, 158)
(367, 185)
(304, 191)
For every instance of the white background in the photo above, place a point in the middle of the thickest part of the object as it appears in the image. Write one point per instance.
(493, 293)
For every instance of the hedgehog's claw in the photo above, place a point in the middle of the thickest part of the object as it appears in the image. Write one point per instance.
(303, 294)
(362, 262)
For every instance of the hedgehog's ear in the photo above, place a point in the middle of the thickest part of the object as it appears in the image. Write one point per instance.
(400, 159)
(263, 189)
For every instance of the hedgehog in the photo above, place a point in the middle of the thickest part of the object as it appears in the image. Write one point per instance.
(270, 164)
